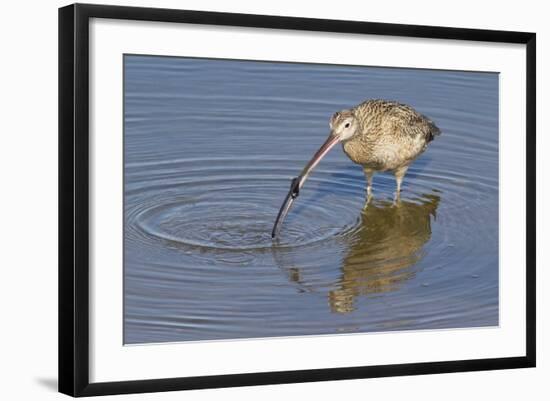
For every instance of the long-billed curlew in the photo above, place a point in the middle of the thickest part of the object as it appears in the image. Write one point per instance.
(380, 135)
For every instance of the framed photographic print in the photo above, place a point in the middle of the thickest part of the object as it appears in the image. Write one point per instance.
(249, 199)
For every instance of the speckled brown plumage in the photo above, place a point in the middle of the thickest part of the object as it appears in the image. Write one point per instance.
(389, 136)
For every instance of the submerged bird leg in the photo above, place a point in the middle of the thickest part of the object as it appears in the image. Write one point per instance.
(399, 174)
(369, 174)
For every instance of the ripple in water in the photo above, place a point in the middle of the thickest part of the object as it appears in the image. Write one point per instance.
(218, 215)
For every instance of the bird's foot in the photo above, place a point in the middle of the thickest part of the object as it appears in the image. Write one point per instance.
(368, 200)
(396, 198)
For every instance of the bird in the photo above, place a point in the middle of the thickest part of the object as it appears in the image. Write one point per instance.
(380, 135)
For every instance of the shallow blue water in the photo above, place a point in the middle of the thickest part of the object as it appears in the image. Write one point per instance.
(210, 148)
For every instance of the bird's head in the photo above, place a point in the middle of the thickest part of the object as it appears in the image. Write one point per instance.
(343, 125)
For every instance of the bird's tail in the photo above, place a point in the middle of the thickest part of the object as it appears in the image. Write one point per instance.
(434, 131)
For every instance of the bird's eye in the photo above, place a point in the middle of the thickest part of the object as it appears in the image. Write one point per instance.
(347, 125)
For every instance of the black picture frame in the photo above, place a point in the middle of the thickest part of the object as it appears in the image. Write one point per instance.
(74, 198)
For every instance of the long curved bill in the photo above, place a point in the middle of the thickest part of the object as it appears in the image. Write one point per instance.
(299, 181)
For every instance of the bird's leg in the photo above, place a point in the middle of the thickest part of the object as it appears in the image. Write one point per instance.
(369, 174)
(399, 174)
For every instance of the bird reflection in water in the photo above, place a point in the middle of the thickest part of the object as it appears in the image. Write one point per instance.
(380, 253)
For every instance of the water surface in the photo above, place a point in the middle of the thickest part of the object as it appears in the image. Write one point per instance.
(210, 147)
